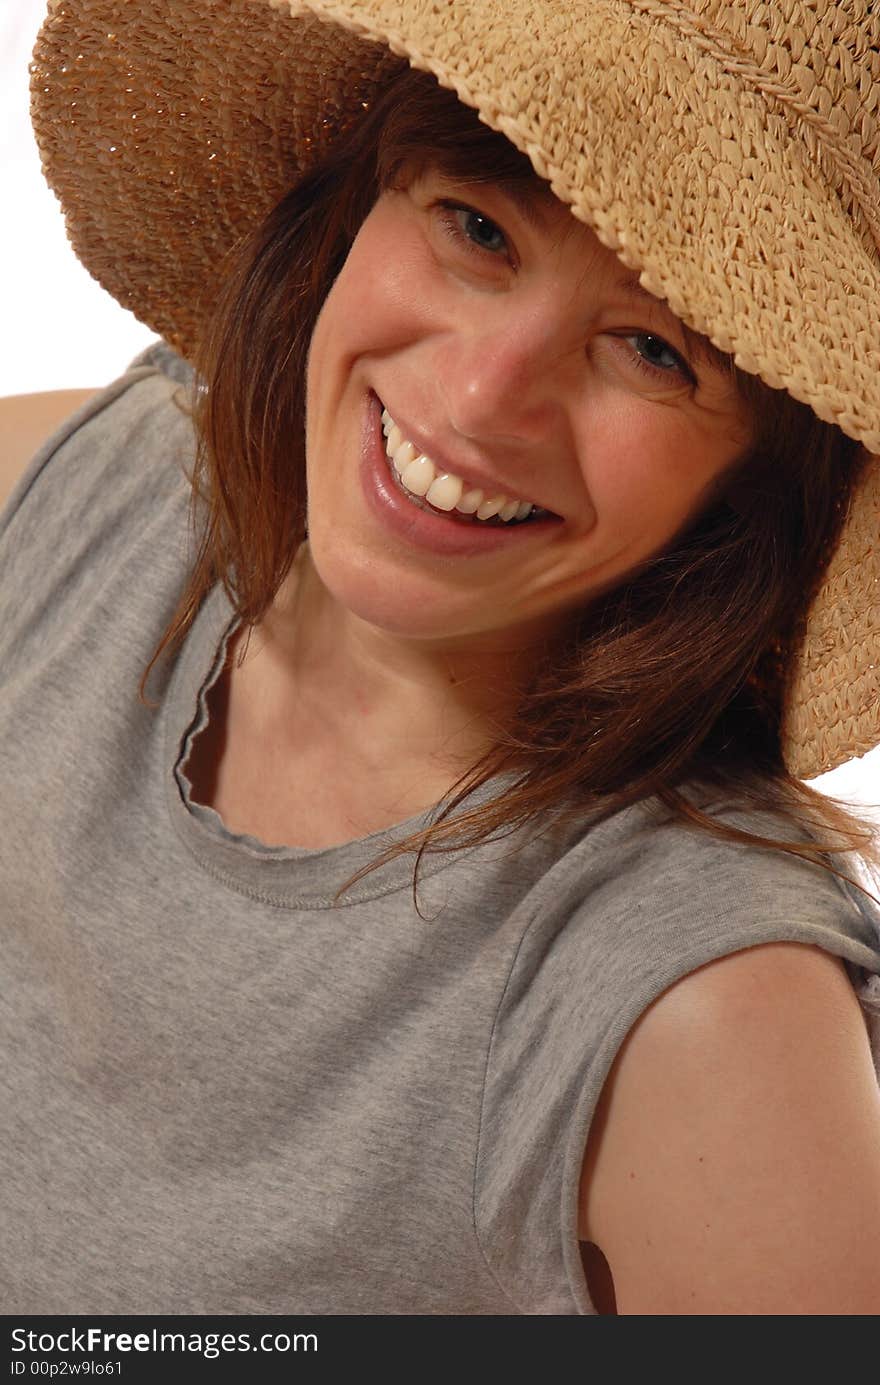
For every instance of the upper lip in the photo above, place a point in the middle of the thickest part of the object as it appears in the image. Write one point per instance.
(472, 476)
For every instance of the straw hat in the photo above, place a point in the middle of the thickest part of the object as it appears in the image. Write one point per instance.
(728, 151)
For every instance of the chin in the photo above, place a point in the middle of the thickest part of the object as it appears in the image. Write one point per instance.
(397, 600)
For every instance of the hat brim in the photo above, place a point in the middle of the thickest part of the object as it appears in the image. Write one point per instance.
(168, 132)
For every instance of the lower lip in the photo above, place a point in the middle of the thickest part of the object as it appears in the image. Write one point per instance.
(423, 528)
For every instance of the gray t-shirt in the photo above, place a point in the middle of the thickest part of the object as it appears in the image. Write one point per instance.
(224, 1093)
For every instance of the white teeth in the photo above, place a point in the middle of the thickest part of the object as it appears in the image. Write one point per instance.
(470, 502)
(491, 507)
(419, 476)
(403, 455)
(445, 491)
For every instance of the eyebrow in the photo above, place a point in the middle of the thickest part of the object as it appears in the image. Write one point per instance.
(637, 290)
(534, 202)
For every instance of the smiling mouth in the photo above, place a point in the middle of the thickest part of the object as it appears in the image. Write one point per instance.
(442, 492)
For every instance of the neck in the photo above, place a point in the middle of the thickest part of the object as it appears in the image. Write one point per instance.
(389, 704)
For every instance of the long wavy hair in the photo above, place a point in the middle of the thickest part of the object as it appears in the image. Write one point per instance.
(670, 685)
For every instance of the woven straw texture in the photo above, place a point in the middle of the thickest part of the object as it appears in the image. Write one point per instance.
(729, 152)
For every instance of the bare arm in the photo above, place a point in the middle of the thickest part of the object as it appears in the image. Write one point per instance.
(734, 1164)
(26, 420)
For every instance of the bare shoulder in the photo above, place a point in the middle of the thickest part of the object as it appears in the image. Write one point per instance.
(26, 420)
(733, 1165)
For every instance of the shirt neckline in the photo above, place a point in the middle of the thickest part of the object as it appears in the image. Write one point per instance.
(286, 877)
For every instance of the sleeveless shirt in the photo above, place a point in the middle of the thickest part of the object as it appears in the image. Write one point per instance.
(222, 1091)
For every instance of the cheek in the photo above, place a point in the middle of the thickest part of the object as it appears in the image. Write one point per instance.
(380, 299)
(335, 337)
(647, 467)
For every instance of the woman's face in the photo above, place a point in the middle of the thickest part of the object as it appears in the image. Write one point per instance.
(523, 360)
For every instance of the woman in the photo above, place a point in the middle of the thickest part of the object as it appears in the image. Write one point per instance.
(446, 930)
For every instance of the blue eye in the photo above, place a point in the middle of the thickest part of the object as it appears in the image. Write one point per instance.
(657, 357)
(481, 231)
(470, 229)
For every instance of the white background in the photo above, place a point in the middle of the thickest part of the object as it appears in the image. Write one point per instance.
(61, 331)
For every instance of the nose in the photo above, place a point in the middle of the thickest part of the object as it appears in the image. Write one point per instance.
(505, 371)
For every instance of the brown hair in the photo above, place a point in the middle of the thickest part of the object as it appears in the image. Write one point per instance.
(670, 685)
